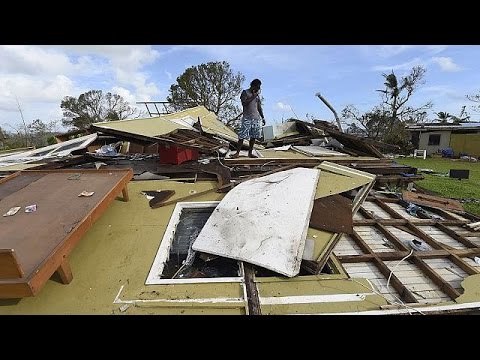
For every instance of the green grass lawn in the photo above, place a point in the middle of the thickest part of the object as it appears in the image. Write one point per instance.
(446, 186)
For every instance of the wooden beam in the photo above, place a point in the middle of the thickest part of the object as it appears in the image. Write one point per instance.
(188, 197)
(125, 194)
(365, 213)
(392, 238)
(361, 243)
(453, 234)
(404, 293)
(9, 266)
(470, 270)
(310, 266)
(437, 279)
(250, 177)
(371, 221)
(432, 201)
(427, 238)
(253, 299)
(355, 258)
(388, 209)
(397, 255)
(65, 271)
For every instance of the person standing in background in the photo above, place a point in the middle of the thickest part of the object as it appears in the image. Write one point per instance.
(252, 115)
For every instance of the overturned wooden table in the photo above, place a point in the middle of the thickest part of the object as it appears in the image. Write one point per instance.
(35, 245)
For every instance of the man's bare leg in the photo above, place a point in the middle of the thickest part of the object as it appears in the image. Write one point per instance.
(250, 148)
(239, 146)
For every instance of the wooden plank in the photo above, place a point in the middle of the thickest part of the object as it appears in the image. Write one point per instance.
(370, 221)
(9, 266)
(361, 243)
(401, 289)
(125, 194)
(325, 255)
(456, 236)
(229, 185)
(344, 259)
(443, 239)
(65, 272)
(376, 212)
(437, 279)
(368, 216)
(186, 198)
(388, 209)
(470, 270)
(433, 201)
(253, 299)
(425, 237)
(310, 266)
(15, 290)
(392, 238)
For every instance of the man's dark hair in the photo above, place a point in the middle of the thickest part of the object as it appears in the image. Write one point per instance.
(255, 82)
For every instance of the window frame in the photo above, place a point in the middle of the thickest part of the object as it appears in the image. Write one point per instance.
(163, 252)
(430, 142)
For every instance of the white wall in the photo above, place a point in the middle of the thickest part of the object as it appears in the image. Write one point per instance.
(444, 141)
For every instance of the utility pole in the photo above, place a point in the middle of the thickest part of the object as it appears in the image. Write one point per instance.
(24, 125)
(331, 108)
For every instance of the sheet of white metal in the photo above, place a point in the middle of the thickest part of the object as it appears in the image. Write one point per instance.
(51, 151)
(317, 151)
(263, 221)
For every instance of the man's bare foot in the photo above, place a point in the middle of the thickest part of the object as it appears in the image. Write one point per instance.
(252, 156)
(236, 155)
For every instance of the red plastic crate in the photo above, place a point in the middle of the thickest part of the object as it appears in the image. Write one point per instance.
(173, 154)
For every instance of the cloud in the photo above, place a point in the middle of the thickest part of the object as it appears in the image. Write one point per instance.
(169, 75)
(124, 62)
(403, 66)
(446, 64)
(434, 49)
(37, 61)
(438, 91)
(393, 50)
(125, 94)
(388, 51)
(280, 106)
(279, 57)
(30, 89)
(41, 75)
(144, 91)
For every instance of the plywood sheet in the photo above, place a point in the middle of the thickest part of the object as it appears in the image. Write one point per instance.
(337, 179)
(263, 221)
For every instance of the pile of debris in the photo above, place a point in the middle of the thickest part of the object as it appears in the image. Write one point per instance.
(281, 214)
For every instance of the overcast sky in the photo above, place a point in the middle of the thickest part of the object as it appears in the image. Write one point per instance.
(40, 76)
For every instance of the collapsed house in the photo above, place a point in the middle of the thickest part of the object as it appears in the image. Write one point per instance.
(301, 229)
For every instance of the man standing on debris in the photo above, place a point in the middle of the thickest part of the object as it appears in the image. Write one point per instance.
(252, 115)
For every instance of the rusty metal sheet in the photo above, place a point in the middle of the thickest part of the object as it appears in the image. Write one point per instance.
(332, 213)
(433, 201)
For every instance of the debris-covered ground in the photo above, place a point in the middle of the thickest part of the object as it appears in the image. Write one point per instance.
(153, 216)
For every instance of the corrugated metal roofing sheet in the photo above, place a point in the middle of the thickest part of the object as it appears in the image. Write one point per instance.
(165, 124)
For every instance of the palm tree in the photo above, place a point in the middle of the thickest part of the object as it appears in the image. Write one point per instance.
(398, 91)
(443, 117)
